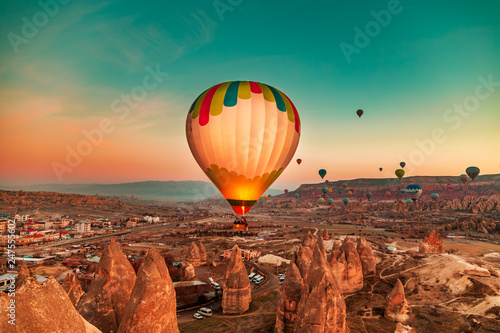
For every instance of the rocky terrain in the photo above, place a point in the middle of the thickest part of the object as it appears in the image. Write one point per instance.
(236, 295)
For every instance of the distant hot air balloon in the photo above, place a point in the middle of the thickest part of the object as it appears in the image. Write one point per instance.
(321, 200)
(409, 200)
(324, 189)
(345, 200)
(265, 195)
(330, 190)
(352, 189)
(414, 191)
(299, 160)
(339, 191)
(286, 191)
(472, 172)
(435, 196)
(349, 192)
(368, 195)
(464, 178)
(402, 164)
(402, 190)
(322, 173)
(400, 173)
(326, 181)
(224, 128)
(310, 188)
(329, 201)
(344, 185)
(380, 169)
(388, 194)
(359, 113)
(297, 195)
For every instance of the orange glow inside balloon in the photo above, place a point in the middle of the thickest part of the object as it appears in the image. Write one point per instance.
(242, 134)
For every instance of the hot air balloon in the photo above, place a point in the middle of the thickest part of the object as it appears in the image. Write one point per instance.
(352, 189)
(326, 181)
(402, 190)
(388, 194)
(472, 172)
(324, 189)
(409, 200)
(339, 191)
(344, 185)
(380, 169)
(243, 134)
(296, 195)
(329, 201)
(414, 191)
(321, 200)
(345, 200)
(359, 113)
(330, 190)
(400, 173)
(322, 173)
(435, 196)
(349, 192)
(310, 188)
(402, 164)
(368, 195)
(265, 195)
(464, 178)
(299, 160)
(286, 191)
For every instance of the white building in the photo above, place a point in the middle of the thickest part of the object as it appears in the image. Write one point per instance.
(82, 227)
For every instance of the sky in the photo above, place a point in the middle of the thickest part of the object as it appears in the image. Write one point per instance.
(98, 92)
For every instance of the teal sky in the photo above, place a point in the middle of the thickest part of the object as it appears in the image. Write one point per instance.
(63, 79)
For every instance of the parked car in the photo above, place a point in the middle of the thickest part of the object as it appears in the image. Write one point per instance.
(251, 276)
(259, 280)
(198, 316)
(205, 311)
(256, 277)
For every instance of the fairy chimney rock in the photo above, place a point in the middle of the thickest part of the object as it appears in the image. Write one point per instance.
(236, 296)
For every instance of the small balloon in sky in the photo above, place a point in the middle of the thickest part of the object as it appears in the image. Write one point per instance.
(359, 113)
(322, 173)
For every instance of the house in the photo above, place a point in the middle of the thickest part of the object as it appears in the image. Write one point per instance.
(6, 280)
(82, 227)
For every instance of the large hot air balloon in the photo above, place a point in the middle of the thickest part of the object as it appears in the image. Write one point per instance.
(359, 113)
(400, 173)
(243, 134)
(322, 173)
(414, 191)
(344, 185)
(297, 195)
(402, 164)
(464, 178)
(380, 169)
(321, 200)
(299, 160)
(329, 201)
(368, 195)
(435, 196)
(472, 172)
(286, 191)
(345, 200)
(324, 189)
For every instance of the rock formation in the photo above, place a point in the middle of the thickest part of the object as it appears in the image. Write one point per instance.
(346, 266)
(73, 288)
(366, 256)
(325, 235)
(236, 296)
(193, 256)
(397, 308)
(400, 328)
(187, 272)
(203, 252)
(432, 243)
(22, 275)
(309, 241)
(42, 309)
(152, 305)
(310, 298)
(104, 304)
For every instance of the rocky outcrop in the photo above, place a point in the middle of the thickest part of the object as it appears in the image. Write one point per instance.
(42, 309)
(236, 296)
(397, 308)
(187, 272)
(346, 266)
(326, 236)
(309, 241)
(73, 288)
(104, 304)
(152, 304)
(203, 253)
(22, 275)
(400, 328)
(193, 256)
(432, 243)
(310, 298)
(366, 256)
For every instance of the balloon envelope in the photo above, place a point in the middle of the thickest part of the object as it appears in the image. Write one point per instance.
(359, 113)
(286, 191)
(464, 178)
(434, 196)
(243, 134)
(339, 191)
(322, 173)
(414, 191)
(380, 169)
(409, 200)
(472, 171)
(321, 200)
(387, 194)
(329, 201)
(368, 195)
(344, 185)
(297, 195)
(324, 189)
(299, 160)
(400, 173)
(345, 200)
(402, 164)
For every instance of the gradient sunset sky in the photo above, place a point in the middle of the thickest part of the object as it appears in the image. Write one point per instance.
(63, 67)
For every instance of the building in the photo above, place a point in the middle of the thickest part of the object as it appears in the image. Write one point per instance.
(3, 226)
(82, 227)
(131, 223)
